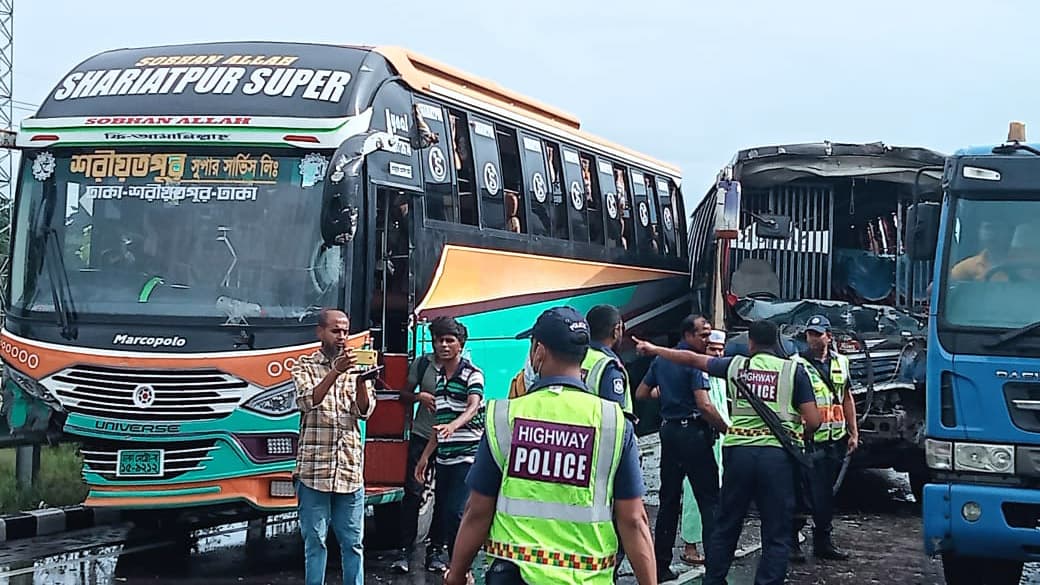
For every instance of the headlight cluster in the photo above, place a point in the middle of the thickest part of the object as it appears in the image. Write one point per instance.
(970, 457)
(28, 385)
(277, 401)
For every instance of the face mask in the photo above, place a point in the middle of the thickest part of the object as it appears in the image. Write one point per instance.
(530, 376)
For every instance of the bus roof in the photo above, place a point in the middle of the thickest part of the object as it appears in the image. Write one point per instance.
(433, 77)
(110, 88)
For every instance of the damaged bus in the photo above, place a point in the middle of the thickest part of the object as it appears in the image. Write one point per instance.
(790, 231)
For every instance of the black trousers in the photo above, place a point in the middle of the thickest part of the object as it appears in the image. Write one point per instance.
(766, 476)
(827, 458)
(413, 494)
(686, 454)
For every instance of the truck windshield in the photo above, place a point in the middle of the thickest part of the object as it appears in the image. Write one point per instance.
(992, 264)
(231, 234)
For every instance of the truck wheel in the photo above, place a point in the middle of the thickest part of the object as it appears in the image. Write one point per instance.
(962, 570)
(917, 480)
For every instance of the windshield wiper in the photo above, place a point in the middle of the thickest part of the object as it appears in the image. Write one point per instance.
(61, 289)
(1013, 334)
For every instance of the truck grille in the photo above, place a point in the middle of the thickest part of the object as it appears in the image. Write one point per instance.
(885, 363)
(179, 457)
(146, 395)
(1023, 402)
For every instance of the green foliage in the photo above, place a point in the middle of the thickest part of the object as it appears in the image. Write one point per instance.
(59, 482)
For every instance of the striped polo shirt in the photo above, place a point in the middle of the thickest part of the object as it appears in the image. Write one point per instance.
(452, 395)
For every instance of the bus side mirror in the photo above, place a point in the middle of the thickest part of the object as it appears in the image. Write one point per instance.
(922, 230)
(341, 200)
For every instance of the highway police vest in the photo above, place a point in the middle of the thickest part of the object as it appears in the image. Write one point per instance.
(830, 404)
(558, 449)
(592, 369)
(771, 379)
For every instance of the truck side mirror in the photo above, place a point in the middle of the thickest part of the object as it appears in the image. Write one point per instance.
(922, 230)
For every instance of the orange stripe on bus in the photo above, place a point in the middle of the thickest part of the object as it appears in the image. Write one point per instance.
(470, 275)
(265, 369)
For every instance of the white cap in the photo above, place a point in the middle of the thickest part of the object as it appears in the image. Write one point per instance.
(717, 336)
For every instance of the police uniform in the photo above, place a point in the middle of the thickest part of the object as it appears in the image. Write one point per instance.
(830, 380)
(605, 373)
(555, 459)
(687, 442)
(756, 466)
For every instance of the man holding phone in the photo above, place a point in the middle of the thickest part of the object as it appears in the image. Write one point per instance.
(334, 394)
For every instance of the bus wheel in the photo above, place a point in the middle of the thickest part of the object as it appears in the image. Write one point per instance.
(962, 570)
(383, 528)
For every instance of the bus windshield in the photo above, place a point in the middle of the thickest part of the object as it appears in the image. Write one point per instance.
(992, 264)
(231, 234)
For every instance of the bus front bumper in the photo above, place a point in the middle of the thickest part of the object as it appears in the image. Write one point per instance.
(983, 521)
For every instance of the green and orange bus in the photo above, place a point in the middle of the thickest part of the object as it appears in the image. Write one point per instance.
(183, 212)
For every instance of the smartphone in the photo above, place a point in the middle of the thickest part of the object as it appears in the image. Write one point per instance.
(366, 357)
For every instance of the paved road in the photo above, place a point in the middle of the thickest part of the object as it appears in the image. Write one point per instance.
(878, 521)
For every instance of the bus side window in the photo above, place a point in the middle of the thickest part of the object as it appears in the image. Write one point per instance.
(512, 175)
(557, 205)
(641, 212)
(628, 232)
(593, 199)
(611, 205)
(467, 185)
(489, 173)
(539, 217)
(681, 234)
(668, 231)
(574, 195)
(655, 216)
(436, 165)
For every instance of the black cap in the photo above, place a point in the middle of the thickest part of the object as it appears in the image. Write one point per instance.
(819, 324)
(561, 329)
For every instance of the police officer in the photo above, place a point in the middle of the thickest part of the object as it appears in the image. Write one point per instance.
(756, 466)
(837, 436)
(689, 426)
(553, 470)
(602, 369)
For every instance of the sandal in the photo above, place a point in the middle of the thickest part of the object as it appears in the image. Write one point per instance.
(697, 560)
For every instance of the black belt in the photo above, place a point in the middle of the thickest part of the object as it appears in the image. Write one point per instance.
(686, 421)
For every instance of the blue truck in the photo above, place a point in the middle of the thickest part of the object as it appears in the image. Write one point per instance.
(981, 508)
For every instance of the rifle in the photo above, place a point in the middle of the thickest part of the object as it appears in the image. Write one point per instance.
(773, 422)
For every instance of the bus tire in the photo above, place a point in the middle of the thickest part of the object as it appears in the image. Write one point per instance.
(964, 570)
(383, 529)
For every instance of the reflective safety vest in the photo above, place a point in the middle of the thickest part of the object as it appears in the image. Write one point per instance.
(772, 379)
(830, 404)
(592, 369)
(558, 449)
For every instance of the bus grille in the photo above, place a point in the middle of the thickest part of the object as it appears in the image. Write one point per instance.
(179, 457)
(146, 395)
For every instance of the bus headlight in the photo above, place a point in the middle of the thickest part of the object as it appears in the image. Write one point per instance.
(938, 454)
(277, 401)
(984, 458)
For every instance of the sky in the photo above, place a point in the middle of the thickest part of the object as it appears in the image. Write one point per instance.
(682, 81)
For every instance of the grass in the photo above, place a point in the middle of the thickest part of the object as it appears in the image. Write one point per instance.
(59, 482)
